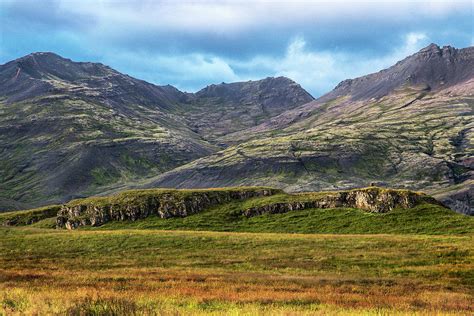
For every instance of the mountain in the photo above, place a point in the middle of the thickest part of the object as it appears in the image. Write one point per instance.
(431, 69)
(408, 126)
(222, 109)
(71, 129)
(42, 74)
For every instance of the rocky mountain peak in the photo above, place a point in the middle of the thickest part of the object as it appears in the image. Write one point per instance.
(430, 48)
(43, 73)
(43, 56)
(435, 51)
(432, 67)
(236, 90)
(43, 65)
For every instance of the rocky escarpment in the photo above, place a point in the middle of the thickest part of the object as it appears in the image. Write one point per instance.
(368, 199)
(138, 204)
(166, 203)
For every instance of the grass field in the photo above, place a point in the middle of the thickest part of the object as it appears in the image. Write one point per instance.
(417, 261)
(46, 271)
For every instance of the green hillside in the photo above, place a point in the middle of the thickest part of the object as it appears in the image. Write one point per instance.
(227, 209)
(422, 219)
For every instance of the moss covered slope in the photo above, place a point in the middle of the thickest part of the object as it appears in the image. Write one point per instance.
(254, 209)
(426, 216)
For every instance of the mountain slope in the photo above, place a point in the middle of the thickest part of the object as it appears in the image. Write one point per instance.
(222, 109)
(71, 129)
(407, 126)
(429, 70)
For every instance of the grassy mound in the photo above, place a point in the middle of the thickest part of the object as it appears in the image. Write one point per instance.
(132, 198)
(29, 217)
(222, 213)
(423, 219)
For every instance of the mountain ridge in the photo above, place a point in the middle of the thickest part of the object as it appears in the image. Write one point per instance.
(413, 137)
(79, 129)
(371, 86)
(72, 129)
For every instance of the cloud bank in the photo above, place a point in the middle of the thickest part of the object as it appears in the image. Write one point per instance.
(190, 44)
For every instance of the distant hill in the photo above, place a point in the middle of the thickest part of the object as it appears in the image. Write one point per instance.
(71, 129)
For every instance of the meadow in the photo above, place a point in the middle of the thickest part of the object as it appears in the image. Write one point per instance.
(153, 272)
(342, 261)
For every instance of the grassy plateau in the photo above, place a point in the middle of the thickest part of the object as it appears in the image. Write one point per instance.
(341, 261)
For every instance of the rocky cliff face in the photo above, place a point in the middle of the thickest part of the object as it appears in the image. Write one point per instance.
(162, 203)
(458, 197)
(369, 199)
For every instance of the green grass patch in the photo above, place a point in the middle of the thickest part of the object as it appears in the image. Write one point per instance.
(422, 219)
(28, 217)
(114, 272)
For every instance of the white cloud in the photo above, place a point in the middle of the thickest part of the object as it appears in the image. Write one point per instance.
(183, 71)
(413, 39)
(313, 70)
(320, 71)
(207, 68)
(412, 43)
(317, 71)
(243, 15)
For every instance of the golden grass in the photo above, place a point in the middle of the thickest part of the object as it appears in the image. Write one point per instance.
(234, 273)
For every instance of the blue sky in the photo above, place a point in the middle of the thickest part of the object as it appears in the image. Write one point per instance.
(191, 44)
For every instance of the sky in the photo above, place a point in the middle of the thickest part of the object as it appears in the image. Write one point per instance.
(191, 44)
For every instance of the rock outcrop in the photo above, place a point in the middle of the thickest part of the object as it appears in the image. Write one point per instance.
(166, 203)
(133, 205)
(369, 199)
(28, 217)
